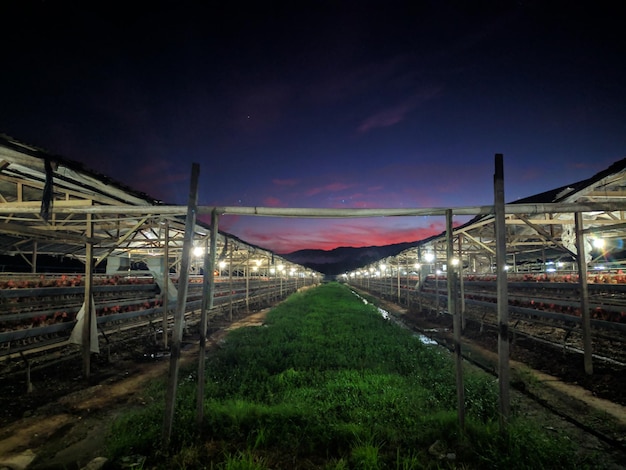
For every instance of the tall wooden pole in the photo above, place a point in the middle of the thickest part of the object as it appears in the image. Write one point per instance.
(461, 283)
(502, 295)
(183, 281)
(214, 233)
(248, 282)
(584, 292)
(34, 258)
(398, 283)
(88, 313)
(166, 281)
(208, 288)
(230, 285)
(456, 320)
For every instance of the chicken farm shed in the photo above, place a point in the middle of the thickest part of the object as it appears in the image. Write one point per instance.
(548, 262)
(548, 268)
(131, 249)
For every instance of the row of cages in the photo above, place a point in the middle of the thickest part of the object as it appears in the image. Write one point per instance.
(36, 309)
(537, 296)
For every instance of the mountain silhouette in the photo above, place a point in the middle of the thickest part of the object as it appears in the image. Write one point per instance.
(345, 258)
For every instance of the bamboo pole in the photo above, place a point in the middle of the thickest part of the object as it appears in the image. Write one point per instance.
(461, 283)
(207, 298)
(502, 295)
(88, 312)
(456, 321)
(230, 285)
(202, 330)
(248, 282)
(34, 258)
(326, 213)
(398, 283)
(166, 281)
(177, 332)
(214, 234)
(584, 293)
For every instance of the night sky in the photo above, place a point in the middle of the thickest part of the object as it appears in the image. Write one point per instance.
(321, 103)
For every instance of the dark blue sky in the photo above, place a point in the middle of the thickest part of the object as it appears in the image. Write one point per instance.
(321, 104)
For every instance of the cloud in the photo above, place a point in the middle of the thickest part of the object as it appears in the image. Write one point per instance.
(332, 187)
(385, 118)
(286, 182)
(271, 201)
(286, 236)
(395, 114)
(159, 179)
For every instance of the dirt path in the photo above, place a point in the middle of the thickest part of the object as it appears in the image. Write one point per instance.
(71, 431)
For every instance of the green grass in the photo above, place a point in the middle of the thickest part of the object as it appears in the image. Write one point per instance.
(328, 383)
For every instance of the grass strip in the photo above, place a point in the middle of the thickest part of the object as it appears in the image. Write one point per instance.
(326, 382)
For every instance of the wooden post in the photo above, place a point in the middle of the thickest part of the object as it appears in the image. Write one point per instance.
(502, 295)
(212, 259)
(208, 288)
(456, 321)
(89, 313)
(230, 285)
(29, 383)
(420, 281)
(408, 284)
(461, 283)
(436, 286)
(248, 282)
(179, 317)
(166, 281)
(398, 279)
(34, 258)
(584, 292)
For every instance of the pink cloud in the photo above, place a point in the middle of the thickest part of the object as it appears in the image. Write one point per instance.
(225, 223)
(285, 236)
(332, 187)
(271, 201)
(285, 182)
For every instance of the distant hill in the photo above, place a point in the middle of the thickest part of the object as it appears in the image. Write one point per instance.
(345, 258)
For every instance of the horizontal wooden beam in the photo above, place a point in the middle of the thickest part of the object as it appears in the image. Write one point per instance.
(306, 212)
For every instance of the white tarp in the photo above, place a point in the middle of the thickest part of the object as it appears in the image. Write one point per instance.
(77, 333)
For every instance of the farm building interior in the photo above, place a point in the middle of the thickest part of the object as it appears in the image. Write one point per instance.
(54, 207)
(156, 269)
(128, 236)
(124, 228)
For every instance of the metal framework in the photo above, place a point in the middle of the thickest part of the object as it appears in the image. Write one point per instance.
(540, 231)
(126, 224)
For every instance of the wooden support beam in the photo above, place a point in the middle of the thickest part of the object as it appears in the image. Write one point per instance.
(502, 296)
(479, 243)
(307, 212)
(545, 234)
(456, 320)
(166, 281)
(584, 294)
(89, 316)
(122, 239)
(177, 332)
(208, 288)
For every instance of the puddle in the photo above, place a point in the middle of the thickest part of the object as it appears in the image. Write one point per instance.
(385, 314)
(382, 311)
